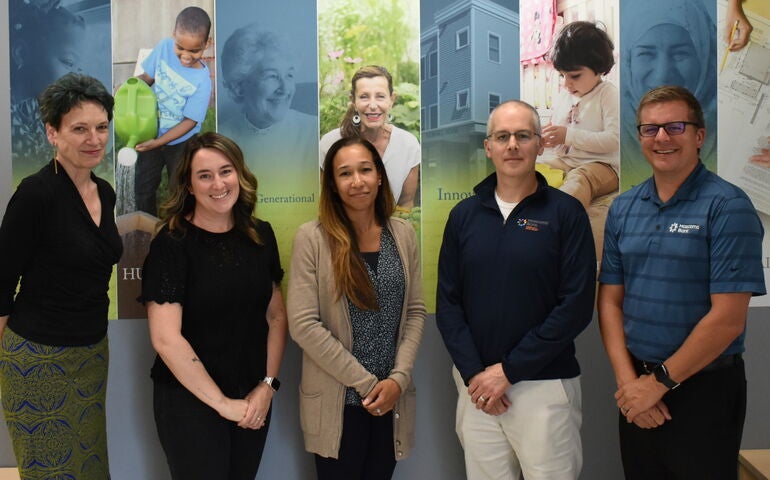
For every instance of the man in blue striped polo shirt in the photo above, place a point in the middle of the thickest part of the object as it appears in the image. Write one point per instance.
(682, 258)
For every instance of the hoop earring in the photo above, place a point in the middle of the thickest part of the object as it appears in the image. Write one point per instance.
(390, 117)
(356, 119)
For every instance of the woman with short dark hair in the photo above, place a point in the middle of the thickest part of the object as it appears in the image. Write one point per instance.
(59, 238)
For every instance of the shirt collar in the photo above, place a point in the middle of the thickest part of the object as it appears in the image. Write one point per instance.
(687, 191)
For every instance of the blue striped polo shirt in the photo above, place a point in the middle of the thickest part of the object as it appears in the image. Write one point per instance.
(670, 257)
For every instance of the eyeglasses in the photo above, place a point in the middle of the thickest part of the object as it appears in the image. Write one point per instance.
(671, 128)
(522, 137)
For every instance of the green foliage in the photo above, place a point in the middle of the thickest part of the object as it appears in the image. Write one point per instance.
(353, 33)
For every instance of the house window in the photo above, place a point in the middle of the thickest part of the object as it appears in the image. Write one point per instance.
(494, 100)
(463, 38)
(494, 48)
(423, 68)
(432, 64)
(433, 116)
(462, 99)
(424, 118)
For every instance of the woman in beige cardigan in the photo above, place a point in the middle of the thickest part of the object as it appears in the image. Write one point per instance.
(355, 307)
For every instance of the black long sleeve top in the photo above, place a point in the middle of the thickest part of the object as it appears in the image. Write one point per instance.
(49, 241)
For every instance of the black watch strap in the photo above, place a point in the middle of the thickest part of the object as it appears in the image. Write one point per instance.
(661, 374)
(274, 383)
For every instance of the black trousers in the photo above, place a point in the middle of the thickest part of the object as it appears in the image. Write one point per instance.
(199, 443)
(148, 173)
(702, 439)
(366, 448)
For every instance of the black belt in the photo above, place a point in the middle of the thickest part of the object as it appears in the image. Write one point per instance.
(719, 363)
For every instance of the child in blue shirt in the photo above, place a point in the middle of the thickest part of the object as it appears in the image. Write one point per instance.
(182, 84)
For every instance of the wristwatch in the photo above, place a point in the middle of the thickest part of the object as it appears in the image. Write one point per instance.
(661, 375)
(274, 383)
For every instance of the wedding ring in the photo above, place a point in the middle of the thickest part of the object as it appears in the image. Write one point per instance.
(483, 400)
(379, 412)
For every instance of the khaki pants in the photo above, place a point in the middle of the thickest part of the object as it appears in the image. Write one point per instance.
(538, 436)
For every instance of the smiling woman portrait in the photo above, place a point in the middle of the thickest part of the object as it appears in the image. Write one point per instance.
(356, 309)
(58, 243)
(260, 74)
(368, 117)
(666, 43)
(211, 283)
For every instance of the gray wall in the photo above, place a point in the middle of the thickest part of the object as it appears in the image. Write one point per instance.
(135, 452)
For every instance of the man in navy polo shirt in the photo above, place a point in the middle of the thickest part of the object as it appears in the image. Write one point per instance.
(682, 258)
(517, 274)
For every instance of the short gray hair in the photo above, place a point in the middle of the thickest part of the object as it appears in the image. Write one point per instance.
(521, 103)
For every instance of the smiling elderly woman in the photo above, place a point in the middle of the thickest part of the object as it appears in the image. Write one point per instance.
(278, 141)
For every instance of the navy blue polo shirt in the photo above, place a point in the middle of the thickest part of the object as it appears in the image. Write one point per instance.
(670, 257)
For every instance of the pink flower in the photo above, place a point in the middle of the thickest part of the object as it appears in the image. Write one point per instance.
(337, 79)
(334, 54)
(353, 60)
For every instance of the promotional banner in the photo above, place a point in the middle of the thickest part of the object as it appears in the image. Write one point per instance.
(744, 115)
(666, 42)
(576, 95)
(49, 39)
(469, 61)
(280, 83)
(376, 43)
(268, 104)
(144, 180)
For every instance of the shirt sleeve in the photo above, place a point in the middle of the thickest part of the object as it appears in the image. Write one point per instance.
(612, 263)
(450, 313)
(19, 237)
(197, 104)
(165, 270)
(268, 240)
(149, 63)
(736, 249)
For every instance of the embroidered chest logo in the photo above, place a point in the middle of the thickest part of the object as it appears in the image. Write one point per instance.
(682, 228)
(531, 225)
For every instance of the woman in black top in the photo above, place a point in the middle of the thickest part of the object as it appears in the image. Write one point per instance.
(211, 283)
(59, 237)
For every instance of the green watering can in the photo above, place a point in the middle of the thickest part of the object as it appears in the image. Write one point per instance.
(135, 117)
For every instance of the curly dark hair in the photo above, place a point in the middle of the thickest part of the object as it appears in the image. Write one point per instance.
(583, 44)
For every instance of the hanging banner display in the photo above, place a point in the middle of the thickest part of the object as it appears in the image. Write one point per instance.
(744, 114)
(151, 80)
(47, 40)
(577, 97)
(282, 87)
(268, 104)
(469, 61)
(665, 42)
(369, 87)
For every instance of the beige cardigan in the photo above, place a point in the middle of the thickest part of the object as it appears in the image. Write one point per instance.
(321, 327)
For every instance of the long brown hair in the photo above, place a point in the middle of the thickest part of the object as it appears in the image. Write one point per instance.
(350, 274)
(182, 203)
(347, 128)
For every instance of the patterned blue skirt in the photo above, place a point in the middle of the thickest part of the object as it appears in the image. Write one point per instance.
(53, 399)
